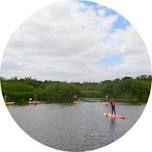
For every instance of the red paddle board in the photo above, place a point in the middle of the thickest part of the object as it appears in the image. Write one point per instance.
(108, 114)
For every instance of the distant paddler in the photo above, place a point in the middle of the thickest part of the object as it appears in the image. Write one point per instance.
(32, 101)
(76, 99)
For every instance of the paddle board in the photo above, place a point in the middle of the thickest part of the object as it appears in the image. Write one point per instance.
(108, 114)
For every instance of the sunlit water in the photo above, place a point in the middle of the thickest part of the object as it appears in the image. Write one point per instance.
(74, 127)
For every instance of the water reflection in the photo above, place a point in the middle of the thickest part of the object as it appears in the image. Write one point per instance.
(113, 123)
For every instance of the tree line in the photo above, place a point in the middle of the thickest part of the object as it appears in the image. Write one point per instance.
(126, 89)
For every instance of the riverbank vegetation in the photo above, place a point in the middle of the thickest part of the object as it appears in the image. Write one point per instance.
(126, 89)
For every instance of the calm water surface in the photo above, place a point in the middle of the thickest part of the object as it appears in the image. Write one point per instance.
(74, 127)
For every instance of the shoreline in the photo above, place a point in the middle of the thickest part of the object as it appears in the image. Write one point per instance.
(48, 102)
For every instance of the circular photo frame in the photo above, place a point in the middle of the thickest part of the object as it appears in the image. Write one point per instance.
(76, 76)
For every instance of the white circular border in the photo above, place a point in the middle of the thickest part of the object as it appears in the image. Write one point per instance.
(12, 13)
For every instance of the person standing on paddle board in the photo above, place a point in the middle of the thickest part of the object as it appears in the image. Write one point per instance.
(113, 104)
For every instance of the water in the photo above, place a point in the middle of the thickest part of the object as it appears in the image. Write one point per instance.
(74, 127)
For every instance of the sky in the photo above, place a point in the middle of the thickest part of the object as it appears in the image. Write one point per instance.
(78, 41)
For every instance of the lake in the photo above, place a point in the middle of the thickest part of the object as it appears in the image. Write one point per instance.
(75, 127)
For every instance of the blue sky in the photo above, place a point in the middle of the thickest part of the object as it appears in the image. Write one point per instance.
(77, 45)
(112, 60)
(120, 23)
(93, 5)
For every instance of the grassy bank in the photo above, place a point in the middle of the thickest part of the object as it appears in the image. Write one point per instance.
(132, 90)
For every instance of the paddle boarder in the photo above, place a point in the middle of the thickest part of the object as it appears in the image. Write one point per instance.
(113, 104)
(75, 99)
(113, 110)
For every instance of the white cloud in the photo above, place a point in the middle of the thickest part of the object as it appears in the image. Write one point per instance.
(64, 42)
